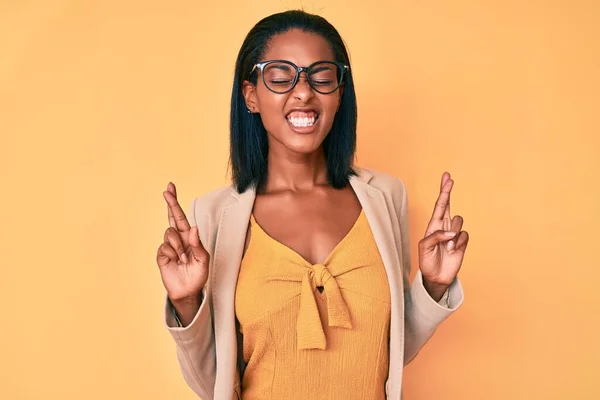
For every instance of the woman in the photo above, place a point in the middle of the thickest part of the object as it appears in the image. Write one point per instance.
(293, 282)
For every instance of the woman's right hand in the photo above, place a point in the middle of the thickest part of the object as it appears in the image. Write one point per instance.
(181, 258)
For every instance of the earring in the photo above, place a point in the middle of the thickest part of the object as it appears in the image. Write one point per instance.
(249, 111)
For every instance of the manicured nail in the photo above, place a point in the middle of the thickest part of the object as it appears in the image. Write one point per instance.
(449, 234)
(184, 258)
(451, 245)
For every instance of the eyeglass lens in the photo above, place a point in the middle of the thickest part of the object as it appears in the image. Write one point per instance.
(324, 77)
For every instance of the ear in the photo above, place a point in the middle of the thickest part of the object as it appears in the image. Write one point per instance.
(249, 92)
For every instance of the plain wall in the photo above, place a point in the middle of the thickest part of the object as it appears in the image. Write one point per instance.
(103, 103)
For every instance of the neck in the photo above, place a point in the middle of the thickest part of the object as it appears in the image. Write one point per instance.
(290, 171)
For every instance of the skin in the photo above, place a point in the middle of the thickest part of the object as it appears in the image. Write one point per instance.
(297, 190)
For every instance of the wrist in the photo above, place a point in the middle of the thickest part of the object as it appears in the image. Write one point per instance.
(435, 290)
(188, 301)
(186, 309)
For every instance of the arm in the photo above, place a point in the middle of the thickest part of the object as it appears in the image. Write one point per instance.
(195, 342)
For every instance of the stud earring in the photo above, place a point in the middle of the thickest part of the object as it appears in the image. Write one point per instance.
(249, 111)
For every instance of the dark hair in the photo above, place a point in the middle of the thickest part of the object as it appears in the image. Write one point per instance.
(248, 138)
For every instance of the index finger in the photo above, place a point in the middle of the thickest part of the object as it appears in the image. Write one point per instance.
(181, 221)
(443, 201)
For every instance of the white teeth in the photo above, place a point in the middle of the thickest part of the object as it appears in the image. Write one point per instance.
(302, 122)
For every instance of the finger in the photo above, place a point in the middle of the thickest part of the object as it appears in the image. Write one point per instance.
(430, 242)
(198, 251)
(445, 178)
(173, 238)
(171, 188)
(456, 226)
(181, 221)
(442, 201)
(166, 254)
(462, 241)
(457, 223)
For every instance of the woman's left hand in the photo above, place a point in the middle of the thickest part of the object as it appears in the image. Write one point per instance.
(442, 250)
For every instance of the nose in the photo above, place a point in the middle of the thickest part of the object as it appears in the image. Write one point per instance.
(302, 91)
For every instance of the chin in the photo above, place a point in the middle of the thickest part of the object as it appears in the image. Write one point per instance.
(303, 146)
(300, 144)
(304, 143)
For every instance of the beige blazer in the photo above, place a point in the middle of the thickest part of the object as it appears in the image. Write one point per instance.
(207, 349)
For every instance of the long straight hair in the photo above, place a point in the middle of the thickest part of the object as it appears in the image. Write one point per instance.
(249, 145)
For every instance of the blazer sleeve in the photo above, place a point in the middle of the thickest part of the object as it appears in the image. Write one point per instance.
(422, 314)
(195, 343)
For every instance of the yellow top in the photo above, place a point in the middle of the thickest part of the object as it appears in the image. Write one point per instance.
(300, 343)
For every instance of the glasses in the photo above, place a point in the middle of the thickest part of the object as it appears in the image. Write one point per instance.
(281, 76)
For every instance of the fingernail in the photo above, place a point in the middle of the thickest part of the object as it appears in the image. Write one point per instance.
(449, 234)
(450, 245)
(184, 258)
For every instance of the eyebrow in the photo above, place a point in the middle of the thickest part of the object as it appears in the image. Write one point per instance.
(283, 67)
(322, 68)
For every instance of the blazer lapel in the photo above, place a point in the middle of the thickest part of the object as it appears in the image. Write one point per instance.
(229, 246)
(376, 210)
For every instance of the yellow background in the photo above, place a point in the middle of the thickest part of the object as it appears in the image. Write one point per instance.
(103, 102)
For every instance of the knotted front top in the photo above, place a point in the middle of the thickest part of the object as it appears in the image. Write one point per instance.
(286, 321)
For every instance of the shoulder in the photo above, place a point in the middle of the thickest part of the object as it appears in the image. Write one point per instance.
(392, 188)
(214, 200)
(390, 185)
(205, 210)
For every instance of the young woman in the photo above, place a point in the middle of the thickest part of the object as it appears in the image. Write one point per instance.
(292, 283)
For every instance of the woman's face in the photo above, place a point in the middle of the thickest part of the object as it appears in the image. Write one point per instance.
(288, 118)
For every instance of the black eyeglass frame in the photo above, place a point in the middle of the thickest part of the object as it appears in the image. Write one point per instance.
(261, 66)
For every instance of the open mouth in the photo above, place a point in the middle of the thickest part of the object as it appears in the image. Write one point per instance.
(301, 119)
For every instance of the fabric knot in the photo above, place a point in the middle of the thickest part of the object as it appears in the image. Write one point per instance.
(309, 330)
(320, 274)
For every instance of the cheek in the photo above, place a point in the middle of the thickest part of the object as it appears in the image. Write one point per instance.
(333, 103)
(271, 110)
(270, 102)
(330, 104)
